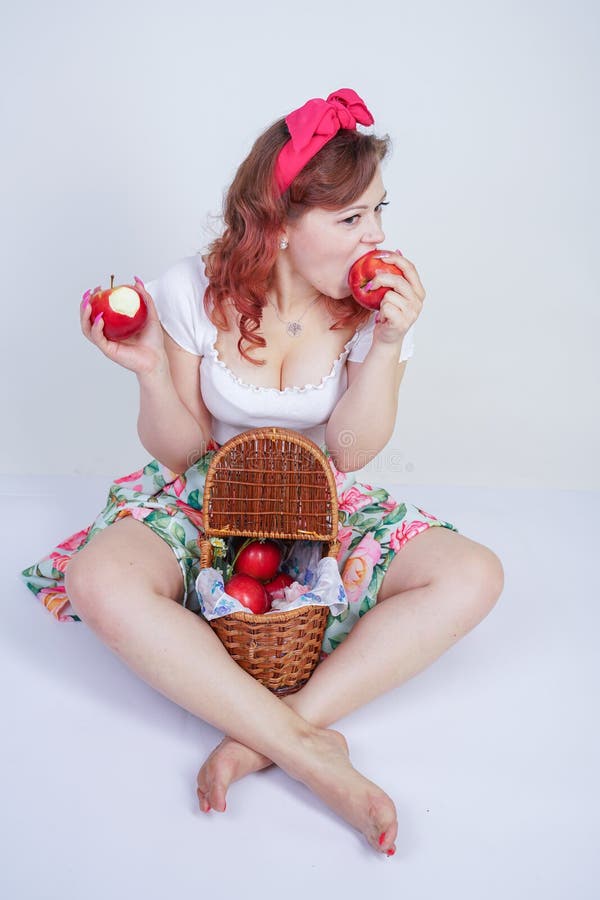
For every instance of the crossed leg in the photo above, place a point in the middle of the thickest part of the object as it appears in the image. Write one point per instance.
(436, 589)
(123, 584)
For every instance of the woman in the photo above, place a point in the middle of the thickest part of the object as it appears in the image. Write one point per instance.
(304, 205)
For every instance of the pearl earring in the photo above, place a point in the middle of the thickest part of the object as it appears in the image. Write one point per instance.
(283, 244)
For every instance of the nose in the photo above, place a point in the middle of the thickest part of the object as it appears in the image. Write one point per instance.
(373, 233)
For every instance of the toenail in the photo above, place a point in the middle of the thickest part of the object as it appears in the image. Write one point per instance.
(381, 838)
(390, 852)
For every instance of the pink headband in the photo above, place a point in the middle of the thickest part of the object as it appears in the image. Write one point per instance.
(312, 125)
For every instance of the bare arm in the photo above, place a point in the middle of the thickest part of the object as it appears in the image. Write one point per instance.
(174, 424)
(364, 418)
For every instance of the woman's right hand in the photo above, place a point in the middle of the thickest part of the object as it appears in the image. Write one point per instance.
(142, 353)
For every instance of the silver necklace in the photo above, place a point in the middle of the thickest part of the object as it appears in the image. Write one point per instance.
(294, 328)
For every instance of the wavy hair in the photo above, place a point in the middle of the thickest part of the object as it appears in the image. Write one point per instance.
(240, 263)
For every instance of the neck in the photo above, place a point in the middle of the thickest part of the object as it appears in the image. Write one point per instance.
(292, 310)
(290, 294)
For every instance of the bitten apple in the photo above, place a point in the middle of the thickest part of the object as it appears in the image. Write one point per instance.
(362, 272)
(250, 592)
(124, 308)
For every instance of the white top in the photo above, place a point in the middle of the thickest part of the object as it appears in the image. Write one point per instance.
(235, 405)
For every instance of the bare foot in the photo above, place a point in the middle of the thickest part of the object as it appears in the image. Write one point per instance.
(327, 771)
(230, 761)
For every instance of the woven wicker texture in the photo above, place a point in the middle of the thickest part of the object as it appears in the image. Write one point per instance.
(272, 483)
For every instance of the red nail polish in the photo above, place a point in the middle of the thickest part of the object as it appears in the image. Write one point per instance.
(381, 838)
(390, 852)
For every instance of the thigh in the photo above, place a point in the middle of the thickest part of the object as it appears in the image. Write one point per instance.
(125, 555)
(436, 553)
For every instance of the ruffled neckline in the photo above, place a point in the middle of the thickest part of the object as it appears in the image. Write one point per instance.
(292, 389)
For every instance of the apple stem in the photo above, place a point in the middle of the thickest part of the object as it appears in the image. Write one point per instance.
(245, 544)
(112, 281)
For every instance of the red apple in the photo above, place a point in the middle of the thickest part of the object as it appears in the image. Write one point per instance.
(250, 592)
(280, 582)
(260, 559)
(124, 308)
(364, 270)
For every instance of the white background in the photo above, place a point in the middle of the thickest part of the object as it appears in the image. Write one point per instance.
(124, 122)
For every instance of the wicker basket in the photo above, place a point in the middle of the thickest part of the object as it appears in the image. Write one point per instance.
(272, 483)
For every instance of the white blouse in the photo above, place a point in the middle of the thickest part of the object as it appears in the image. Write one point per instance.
(235, 405)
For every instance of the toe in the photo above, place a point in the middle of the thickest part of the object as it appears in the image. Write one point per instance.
(203, 802)
(216, 796)
(386, 837)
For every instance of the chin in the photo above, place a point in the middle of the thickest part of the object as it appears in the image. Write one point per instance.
(341, 293)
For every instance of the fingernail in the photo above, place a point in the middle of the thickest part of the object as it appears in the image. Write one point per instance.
(390, 852)
(382, 255)
(400, 252)
(85, 302)
(136, 279)
(381, 838)
(377, 319)
(99, 316)
(86, 295)
(368, 286)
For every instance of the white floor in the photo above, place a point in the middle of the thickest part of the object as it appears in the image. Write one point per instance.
(491, 755)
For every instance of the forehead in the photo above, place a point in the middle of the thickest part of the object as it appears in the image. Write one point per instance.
(369, 198)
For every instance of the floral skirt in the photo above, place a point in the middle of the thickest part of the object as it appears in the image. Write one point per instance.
(373, 527)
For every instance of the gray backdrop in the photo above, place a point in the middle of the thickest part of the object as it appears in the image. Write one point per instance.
(122, 125)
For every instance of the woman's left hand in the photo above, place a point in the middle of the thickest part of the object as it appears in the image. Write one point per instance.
(401, 305)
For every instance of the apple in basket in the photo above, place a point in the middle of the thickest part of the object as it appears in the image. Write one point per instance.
(250, 592)
(124, 308)
(258, 558)
(281, 581)
(362, 271)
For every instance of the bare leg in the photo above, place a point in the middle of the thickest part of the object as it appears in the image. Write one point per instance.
(394, 641)
(124, 584)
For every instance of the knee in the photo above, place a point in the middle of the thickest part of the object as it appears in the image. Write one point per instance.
(486, 576)
(90, 587)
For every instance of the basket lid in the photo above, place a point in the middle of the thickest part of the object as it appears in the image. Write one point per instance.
(271, 482)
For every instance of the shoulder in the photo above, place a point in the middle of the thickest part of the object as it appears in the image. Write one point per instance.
(186, 276)
(178, 294)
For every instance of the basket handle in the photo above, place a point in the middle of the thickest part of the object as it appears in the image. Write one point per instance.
(206, 554)
(334, 548)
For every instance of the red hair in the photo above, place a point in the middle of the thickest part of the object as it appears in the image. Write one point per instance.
(240, 263)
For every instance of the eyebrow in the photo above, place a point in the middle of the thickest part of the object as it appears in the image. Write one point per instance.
(361, 207)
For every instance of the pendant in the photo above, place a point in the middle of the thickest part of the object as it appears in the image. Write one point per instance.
(294, 328)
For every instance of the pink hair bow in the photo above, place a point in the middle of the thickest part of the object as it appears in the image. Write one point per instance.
(312, 125)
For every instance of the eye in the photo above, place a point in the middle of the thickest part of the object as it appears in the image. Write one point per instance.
(378, 209)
